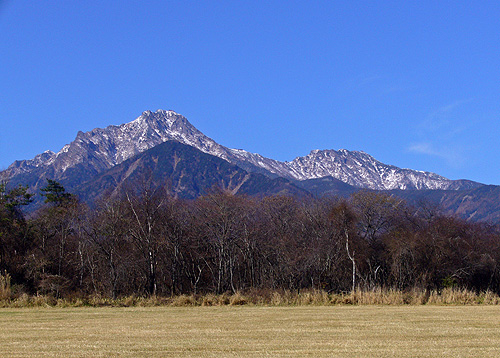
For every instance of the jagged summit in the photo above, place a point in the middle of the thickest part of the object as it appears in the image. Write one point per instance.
(360, 169)
(102, 148)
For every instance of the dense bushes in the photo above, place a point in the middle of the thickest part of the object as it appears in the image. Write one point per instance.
(150, 244)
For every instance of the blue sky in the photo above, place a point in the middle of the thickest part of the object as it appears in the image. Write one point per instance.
(413, 83)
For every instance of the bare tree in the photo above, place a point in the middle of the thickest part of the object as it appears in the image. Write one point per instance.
(345, 219)
(377, 213)
(106, 230)
(145, 214)
(223, 219)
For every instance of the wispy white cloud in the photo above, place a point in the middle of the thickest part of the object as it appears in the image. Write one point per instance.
(423, 148)
(379, 83)
(394, 88)
(442, 134)
(444, 120)
(453, 155)
(363, 81)
(449, 108)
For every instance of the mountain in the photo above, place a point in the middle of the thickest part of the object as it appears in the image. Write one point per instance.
(327, 186)
(101, 149)
(166, 146)
(185, 172)
(96, 151)
(477, 204)
(363, 171)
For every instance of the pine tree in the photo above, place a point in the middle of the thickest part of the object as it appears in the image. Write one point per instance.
(55, 193)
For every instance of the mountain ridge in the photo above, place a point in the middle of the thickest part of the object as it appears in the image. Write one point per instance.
(184, 172)
(100, 149)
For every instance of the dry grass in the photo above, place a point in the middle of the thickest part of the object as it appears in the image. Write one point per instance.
(449, 296)
(5, 288)
(251, 331)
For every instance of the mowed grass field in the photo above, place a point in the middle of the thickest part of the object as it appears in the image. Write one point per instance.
(252, 331)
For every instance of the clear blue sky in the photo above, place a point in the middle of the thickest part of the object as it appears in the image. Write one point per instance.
(413, 83)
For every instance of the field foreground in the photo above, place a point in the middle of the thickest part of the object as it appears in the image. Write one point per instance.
(252, 331)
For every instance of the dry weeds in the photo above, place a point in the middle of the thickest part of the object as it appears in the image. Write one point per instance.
(378, 296)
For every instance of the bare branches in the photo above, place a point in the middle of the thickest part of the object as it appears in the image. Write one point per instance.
(150, 243)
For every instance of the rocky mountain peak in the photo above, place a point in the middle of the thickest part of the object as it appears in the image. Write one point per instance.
(103, 148)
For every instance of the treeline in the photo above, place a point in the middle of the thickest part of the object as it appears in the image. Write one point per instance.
(149, 243)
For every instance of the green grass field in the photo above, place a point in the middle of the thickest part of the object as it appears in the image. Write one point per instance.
(252, 331)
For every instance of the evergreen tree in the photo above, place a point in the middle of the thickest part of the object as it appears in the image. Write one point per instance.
(13, 230)
(12, 200)
(55, 193)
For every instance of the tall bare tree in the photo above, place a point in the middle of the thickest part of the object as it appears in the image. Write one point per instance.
(145, 215)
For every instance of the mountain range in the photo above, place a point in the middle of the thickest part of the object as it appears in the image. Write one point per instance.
(167, 145)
